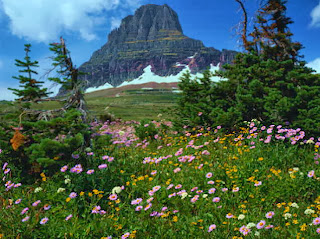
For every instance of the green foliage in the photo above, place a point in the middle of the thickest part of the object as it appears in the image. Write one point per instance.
(106, 117)
(49, 144)
(63, 61)
(31, 90)
(145, 130)
(46, 139)
(102, 142)
(234, 174)
(268, 83)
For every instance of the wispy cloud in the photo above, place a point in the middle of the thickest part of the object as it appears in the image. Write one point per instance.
(6, 94)
(315, 64)
(315, 15)
(115, 22)
(1, 64)
(44, 21)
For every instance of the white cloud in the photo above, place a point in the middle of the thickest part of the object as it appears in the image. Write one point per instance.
(6, 94)
(315, 15)
(315, 64)
(115, 22)
(1, 64)
(44, 21)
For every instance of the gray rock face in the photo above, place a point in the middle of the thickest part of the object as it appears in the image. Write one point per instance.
(152, 36)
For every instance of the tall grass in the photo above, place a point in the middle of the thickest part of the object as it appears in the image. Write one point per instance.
(259, 182)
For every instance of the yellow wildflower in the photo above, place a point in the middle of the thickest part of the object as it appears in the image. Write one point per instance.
(303, 227)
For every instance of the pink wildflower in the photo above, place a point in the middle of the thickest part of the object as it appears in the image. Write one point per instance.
(177, 170)
(64, 168)
(90, 171)
(311, 174)
(36, 203)
(212, 227)
(44, 220)
(102, 166)
(24, 210)
(269, 214)
(316, 221)
(216, 199)
(126, 235)
(138, 208)
(244, 230)
(261, 224)
(25, 219)
(113, 197)
(257, 183)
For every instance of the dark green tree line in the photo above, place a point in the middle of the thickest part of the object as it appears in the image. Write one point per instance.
(269, 81)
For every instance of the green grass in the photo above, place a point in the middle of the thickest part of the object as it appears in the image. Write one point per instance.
(130, 105)
(237, 185)
(133, 106)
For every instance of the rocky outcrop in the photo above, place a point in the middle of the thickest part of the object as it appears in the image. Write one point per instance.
(152, 36)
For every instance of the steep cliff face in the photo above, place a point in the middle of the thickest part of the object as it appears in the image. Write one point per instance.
(152, 36)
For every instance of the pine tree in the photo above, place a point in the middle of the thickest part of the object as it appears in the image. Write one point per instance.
(70, 82)
(46, 139)
(272, 35)
(31, 89)
(268, 82)
(273, 84)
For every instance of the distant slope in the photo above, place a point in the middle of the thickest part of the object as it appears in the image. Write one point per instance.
(113, 92)
(149, 79)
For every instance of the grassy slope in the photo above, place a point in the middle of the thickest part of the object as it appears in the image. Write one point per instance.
(131, 103)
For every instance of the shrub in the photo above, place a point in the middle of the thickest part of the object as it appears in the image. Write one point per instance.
(268, 83)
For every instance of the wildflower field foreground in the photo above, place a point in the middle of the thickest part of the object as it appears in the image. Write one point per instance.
(263, 181)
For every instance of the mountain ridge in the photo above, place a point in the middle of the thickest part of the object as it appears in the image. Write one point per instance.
(152, 36)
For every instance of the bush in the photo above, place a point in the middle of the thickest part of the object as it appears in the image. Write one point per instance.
(268, 83)
(48, 144)
(145, 130)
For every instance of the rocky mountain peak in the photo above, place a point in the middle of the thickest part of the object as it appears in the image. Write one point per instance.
(149, 22)
(151, 37)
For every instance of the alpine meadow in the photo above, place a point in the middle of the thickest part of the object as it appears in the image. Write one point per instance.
(199, 158)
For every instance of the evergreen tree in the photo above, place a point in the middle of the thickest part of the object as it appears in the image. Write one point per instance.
(46, 139)
(272, 36)
(268, 82)
(31, 91)
(70, 82)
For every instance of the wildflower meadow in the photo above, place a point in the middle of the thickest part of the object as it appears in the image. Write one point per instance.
(238, 159)
(260, 182)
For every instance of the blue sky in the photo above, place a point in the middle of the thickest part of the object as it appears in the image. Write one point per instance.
(85, 25)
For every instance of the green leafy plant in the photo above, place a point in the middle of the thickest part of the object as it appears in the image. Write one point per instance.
(145, 130)
(268, 82)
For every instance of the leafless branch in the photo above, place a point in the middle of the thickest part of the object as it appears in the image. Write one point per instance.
(245, 25)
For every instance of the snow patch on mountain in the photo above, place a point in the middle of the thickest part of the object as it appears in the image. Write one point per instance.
(102, 87)
(149, 76)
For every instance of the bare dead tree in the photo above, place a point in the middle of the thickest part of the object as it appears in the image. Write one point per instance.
(76, 97)
(244, 26)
